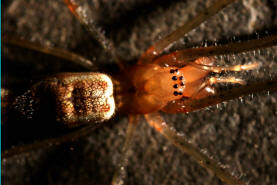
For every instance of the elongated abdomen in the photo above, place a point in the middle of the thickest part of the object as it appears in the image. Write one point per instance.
(71, 99)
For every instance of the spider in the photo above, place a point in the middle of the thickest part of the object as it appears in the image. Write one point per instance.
(166, 151)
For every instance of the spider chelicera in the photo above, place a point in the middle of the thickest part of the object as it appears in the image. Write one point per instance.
(166, 177)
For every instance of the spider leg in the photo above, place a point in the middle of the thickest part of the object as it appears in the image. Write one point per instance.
(120, 172)
(205, 88)
(81, 13)
(187, 55)
(217, 69)
(159, 46)
(57, 52)
(200, 93)
(179, 140)
(189, 105)
(45, 143)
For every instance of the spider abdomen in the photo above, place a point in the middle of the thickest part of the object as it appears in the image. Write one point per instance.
(69, 98)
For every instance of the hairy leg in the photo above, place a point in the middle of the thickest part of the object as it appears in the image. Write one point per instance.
(187, 55)
(119, 174)
(57, 52)
(218, 69)
(159, 46)
(156, 121)
(47, 143)
(82, 14)
(189, 105)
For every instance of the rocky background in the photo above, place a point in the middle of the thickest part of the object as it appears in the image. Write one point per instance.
(240, 134)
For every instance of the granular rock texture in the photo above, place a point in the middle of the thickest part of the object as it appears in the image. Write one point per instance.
(240, 134)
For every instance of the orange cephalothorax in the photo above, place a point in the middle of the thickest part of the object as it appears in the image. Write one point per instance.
(156, 86)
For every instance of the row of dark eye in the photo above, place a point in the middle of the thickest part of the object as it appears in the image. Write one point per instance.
(176, 85)
(177, 93)
(176, 78)
(173, 70)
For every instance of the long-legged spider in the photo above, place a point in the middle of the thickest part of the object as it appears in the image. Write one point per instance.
(170, 157)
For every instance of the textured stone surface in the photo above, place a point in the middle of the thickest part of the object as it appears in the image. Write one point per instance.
(241, 134)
